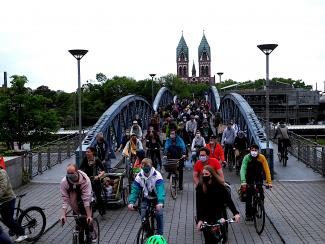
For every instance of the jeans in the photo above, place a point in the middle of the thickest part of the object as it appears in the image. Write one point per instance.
(7, 214)
(145, 204)
(4, 238)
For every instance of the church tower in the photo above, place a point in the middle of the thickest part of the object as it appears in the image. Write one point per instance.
(204, 56)
(182, 58)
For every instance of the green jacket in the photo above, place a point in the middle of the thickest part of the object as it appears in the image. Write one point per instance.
(6, 192)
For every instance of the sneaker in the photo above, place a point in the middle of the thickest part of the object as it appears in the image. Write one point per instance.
(93, 236)
(21, 238)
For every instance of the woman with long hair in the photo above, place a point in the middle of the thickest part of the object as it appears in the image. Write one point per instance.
(212, 198)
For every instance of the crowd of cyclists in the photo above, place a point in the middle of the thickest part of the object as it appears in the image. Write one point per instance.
(189, 132)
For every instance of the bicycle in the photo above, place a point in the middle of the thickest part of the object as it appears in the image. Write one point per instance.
(239, 159)
(283, 154)
(171, 166)
(258, 209)
(151, 153)
(219, 230)
(129, 162)
(32, 220)
(148, 223)
(230, 157)
(81, 234)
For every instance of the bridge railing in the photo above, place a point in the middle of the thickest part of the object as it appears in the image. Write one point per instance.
(306, 151)
(46, 156)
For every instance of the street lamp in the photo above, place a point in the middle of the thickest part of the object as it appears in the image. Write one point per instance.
(78, 54)
(152, 76)
(220, 74)
(267, 49)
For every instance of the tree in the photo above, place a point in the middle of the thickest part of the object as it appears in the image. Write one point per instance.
(101, 78)
(24, 116)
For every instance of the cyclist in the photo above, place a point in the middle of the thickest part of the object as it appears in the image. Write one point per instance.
(76, 190)
(175, 149)
(215, 149)
(136, 129)
(102, 151)
(204, 159)
(282, 135)
(227, 141)
(206, 130)
(251, 173)
(211, 199)
(240, 145)
(151, 183)
(191, 126)
(197, 143)
(7, 207)
(132, 146)
(141, 154)
(153, 145)
(94, 169)
(125, 138)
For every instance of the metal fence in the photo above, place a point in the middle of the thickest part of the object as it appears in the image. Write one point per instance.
(46, 156)
(305, 150)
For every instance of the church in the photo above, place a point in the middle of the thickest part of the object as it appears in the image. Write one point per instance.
(204, 61)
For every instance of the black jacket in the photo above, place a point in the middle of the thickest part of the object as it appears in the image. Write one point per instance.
(211, 205)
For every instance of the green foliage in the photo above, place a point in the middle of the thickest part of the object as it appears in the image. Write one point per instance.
(24, 116)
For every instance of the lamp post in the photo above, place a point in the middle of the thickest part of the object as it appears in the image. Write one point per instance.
(78, 54)
(152, 76)
(267, 49)
(220, 74)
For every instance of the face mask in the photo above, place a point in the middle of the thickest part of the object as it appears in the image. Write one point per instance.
(72, 177)
(203, 158)
(254, 154)
(172, 136)
(146, 169)
(198, 136)
(206, 179)
(127, 134)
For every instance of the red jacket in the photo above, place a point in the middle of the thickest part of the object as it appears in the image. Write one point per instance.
(218, 152)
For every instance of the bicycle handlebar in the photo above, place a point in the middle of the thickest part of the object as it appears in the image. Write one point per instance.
(206, 225)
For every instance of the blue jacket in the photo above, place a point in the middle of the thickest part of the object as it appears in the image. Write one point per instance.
(179, 144)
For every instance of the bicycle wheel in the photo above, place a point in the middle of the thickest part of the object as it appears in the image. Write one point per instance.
(142, 235)
(173, 186)
(95, 235)
(259, 217)
(285, 157)
(230, 161)
(33, 221)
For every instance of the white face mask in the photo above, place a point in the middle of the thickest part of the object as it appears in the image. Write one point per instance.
(254, 154)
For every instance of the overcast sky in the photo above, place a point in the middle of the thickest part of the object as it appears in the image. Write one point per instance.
(134, 38)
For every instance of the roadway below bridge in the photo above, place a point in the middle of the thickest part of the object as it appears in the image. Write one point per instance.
(295, 209)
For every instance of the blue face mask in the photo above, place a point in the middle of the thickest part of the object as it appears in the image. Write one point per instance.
(72, 177)
(146, 169)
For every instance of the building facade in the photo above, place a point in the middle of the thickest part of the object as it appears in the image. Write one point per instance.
(204, 62)
(292, 105)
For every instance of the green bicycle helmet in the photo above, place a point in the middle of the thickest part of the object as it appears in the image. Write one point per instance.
(156, 239)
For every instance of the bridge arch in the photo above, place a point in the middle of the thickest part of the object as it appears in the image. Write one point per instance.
(234, 106)
(214, 98)
(116, 119)
(163, 98)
